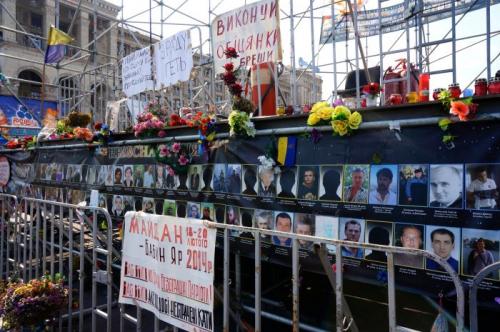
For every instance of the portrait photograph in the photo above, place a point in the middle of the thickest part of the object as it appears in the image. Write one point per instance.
(68, 174)
(220, 213)
(149, 176)
(247, 220)
(207, 172)
(352, 229)
(132, 203)
(207, 211)
(171, 180)
(92, 174)
(193, 209)
(308, 180)
(50, 172)
(234, 178)
(267, 182)
(109, 172)
(481, 186)
(330, 183)
(159, 176)
(232, 215)
(356, 183)
(480, 248)
(378, 232)
(100, 175)
(39, 170)
(75, 196)
(194, 174)
(409, 236)
(128, 176)
(413, 184)
(118, 206)
(53, 194)
(383, 185)
(59, 173)
(118, 175)
(102, 201)
(304, 225)
(249, 183)
(327, 227)
(446, 186)
(283, 222)
(181, 207)
(148, 205)
(138, 175)
(444, 242)
(219, 181)
(286, 184)
(169, 208)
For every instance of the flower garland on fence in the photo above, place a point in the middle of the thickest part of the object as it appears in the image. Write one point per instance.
(342, 120)
(175, 155)
(30, 304)
(25, 142)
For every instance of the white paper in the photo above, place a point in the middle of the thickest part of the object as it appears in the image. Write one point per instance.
(136, 72)
(173, 59)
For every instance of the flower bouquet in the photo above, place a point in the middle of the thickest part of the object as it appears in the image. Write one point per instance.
(152, 121)
(102, 133)
(175, 155)
(25, 142)
(31, 304)
(344, 121)
(371, 91)
(464, 109)
(240, 124)
(320, 114)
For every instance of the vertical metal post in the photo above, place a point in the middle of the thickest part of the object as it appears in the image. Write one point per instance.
(313, 54)
(138, 314)
(334, 52)
(37, 239)
(61, 253)
(30, 234)
(391, 292)
(212, 51)
(408, 60)
(52, 243)
(488, 39)
(81, 274)
(70, 269)
(293, 73)
(259, 92)
(295, 285)
(339, 289)
(381, 52)
(258, 272)
(44, 240)
(3, 243)
(237, 273)
(454, 42)
(94, 270)
(356, 41)
(225, 317)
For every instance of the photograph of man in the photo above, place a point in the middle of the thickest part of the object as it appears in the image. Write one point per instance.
(308, 182)
(181, 209)
(220, 213)
(133, 203)
(249, 186)
(92, 174)
(207, 211)
(159, 205)
(219, 182)
(148, 205)
(413, 182)
(234, 178)
(118, 208)
(102, 175)
(263, 220)
(193, 209)
(286, 186)
(267, 186)
(182, 177)
(446, 186)
(118, 176)
(378, 233)
(170, 178)
(149, 176)
(160, 176)
(353, 231)
(247, 221)
(102, 201)
(383, 185)
(482, 190)
(283, 222)
(480, 248)
(327, 227)
(128, 181)
(356, 183)
(138, 176)
(194, 177)
(441, 241)
(169, 208)
(207, 174)
(409, 236)
(304, 225)
(331, 183)
(233, 218)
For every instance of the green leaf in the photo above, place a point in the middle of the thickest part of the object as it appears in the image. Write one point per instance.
(448, 138)
(444, 123)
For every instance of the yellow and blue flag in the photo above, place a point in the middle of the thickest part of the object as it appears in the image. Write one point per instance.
(56, 45)
(287, 147)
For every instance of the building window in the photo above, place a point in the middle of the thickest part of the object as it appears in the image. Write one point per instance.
(30, 86)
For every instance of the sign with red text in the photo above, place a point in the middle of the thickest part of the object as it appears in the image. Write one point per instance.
(253, 30)
(173, 59)
(168, 269)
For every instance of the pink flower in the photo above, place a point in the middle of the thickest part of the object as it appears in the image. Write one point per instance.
(176, 147)
(183, 160)
(162, 133)
(164, 152)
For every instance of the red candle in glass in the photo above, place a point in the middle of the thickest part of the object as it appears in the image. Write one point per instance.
(436, 92)
(480, 87)
(494, 86)
(454, 90)
(395, 99)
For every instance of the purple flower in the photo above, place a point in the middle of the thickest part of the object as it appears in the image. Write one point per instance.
(338, 102)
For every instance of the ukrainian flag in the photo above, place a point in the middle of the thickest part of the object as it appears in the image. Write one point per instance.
(287, 148)
(56, 45)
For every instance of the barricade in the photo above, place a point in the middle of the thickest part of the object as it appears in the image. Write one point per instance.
(473, 293)
(8, 206)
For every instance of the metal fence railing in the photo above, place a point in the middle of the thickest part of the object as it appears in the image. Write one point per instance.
(473, 293)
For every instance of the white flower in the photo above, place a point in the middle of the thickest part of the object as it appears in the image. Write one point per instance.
(250, 128)
(267, 163)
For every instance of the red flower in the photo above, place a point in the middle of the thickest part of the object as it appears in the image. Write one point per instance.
(175, 117)
(372, 89)
(229, 66)
(230, 52)
(98, 126)
(235, 89)
(459, 109)
(228, 78)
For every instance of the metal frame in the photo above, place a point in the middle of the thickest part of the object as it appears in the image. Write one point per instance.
(478, 278)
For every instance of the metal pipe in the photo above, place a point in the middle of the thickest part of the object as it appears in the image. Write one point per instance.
(339, 292)
(473, 293)
(225, 317)
(313, 55)
(293, 73)
(295, 286)
(453, 42)
(334, 52)
(257, 287)
(391, 292)
(488, 39)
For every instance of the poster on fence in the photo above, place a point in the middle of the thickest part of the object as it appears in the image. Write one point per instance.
(136, 72)
(173, 59)
(168, 269)
(253, 30)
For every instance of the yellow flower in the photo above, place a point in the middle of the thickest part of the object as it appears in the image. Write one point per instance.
(355, 120)
(316, 107)
(341, 113)
(325, 113)
(313, 119)
(340, 127)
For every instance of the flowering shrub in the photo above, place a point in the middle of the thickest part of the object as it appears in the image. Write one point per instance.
(29, 304)
(240, 124)
(175, 155)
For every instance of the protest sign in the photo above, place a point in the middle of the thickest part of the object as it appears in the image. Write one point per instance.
(253, 30)
(173, 59)
(136, 72)
(168, 269)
